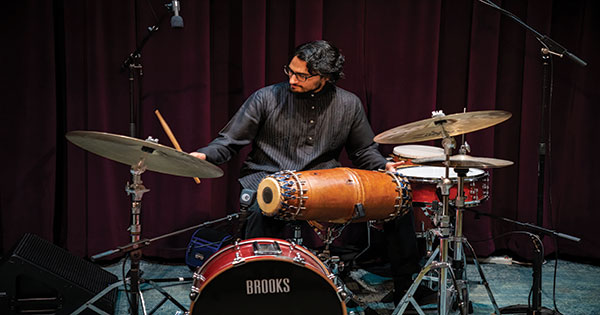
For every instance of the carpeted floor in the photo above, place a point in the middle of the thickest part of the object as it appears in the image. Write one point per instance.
(577, 288)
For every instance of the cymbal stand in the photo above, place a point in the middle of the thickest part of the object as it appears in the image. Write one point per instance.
(458, 262)
(443, 232)
(136, 189)
(131, 247)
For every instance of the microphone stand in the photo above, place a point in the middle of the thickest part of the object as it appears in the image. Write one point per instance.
(133, 64)
(137, 246)
(536, 307)
(550, 47)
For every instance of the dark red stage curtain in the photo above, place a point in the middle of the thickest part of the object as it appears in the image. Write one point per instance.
(404, 60)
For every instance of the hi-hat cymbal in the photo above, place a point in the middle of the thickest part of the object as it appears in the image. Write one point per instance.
(157, 157)
(431, 129)
(463, 161)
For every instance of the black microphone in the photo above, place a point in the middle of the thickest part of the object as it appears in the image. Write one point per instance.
(176, 19)
(247, 197)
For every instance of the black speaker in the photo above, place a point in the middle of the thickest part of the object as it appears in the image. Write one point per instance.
(41, 278)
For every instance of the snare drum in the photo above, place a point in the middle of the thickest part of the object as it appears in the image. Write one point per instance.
(264, 276)
(424, 179)
(336, 195)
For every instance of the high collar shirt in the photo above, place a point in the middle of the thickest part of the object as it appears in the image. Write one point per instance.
(292, 131)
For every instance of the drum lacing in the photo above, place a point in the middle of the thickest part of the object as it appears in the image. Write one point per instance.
(404, 198)
(289, 193)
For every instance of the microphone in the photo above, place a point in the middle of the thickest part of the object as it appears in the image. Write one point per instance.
(247, 197)
(176, 19)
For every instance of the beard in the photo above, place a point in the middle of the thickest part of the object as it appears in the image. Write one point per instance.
(318, 87)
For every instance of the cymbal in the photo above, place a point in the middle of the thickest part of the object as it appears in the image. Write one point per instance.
(157, 157)
(463, 161)
(430, 129)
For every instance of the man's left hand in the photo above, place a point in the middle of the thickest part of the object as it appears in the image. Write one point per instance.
(391, 166)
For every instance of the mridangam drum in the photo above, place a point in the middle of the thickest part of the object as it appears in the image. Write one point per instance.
(336, 195)
(264, 276)
(424, 179)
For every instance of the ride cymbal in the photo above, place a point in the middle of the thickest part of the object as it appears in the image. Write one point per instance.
(431, 129)
(157, 157)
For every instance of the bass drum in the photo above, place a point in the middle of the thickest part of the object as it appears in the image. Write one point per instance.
(264, 276)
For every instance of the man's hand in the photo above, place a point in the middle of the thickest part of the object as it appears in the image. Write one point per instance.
(391, 166)
(199, 155)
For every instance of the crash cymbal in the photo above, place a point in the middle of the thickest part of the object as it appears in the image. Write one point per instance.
(431, 129)
(157, 157)
(463, 161)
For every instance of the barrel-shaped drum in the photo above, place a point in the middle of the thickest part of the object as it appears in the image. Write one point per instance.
(338, 195)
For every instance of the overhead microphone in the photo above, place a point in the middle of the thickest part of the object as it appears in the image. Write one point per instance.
(176, 19)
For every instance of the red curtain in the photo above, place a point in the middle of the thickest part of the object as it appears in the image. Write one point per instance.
(404, 59)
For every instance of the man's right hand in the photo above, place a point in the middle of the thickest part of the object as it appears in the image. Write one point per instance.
(199, 155)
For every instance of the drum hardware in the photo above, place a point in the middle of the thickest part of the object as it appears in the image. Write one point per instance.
(141, 155)
(446, 127)
(137, 246)
(266, 248)
(297, 233)
(536, 305)
(443, 265)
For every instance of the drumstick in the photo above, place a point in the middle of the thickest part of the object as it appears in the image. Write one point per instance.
(171, 136)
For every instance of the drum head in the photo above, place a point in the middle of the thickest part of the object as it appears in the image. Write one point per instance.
(268, 198)
(415, 151)
(433, 172)
(268, 286)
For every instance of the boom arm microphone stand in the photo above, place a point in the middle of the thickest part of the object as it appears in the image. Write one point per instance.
(138, 245)
(133, 63)
(136, 189)
(550, 47)
(536, 307)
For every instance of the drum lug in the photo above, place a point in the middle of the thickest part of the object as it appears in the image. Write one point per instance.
(342, 293)
(193, 295)
(238, 260)
(194, 291)
(198, 277)
(299, 260)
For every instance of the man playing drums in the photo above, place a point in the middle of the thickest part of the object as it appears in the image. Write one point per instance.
(303, 124)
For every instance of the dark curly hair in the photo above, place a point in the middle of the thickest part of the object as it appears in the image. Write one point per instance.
(322, 58)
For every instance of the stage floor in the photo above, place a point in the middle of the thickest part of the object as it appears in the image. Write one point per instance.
(577, 287)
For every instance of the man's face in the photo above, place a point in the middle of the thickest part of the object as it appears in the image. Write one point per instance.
(312, 84)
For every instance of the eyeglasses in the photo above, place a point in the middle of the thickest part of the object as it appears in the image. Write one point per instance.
(302, 77)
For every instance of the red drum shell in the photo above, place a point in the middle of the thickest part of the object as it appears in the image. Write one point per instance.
(424, 179)
(239, 279)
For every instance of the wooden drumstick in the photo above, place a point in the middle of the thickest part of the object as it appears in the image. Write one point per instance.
(171, 136)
